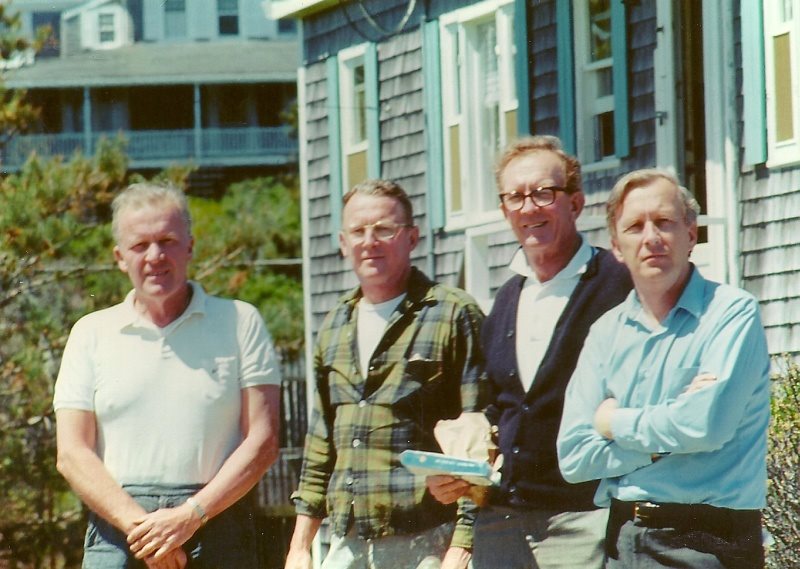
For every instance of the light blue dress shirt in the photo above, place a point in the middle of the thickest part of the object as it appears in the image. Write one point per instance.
(713, 441)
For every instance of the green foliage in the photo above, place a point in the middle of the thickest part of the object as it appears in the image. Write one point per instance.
(782, 516)
(56, 265)
(248, 247)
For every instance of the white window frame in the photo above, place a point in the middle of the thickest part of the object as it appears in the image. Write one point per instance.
(783, 152)
(351, 115)
(107, 23)
(228, 13)
(174, 16)
(462, 84)
(589, 103)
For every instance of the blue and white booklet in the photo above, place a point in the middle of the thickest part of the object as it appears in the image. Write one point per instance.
(423, 463)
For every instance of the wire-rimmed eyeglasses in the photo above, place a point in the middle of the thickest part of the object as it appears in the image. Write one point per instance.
(540, 197)
(381, 230)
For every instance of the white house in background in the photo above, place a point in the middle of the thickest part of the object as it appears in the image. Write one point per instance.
(206, 81)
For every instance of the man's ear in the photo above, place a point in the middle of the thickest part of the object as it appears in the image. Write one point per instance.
(692, 236)
(413, 235)
(123, 266)
(577, 200)
(616, 250)
(343, 248)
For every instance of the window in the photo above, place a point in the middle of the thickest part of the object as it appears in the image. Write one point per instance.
(479, 105)
(287, 26)
(51, 20)
(228, 13)
(353, 104)
(594, 79)
(594, 102)
(782, 54)
(105, 27)
(174, 18)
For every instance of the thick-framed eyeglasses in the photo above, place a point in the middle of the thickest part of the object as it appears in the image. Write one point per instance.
(540, 197)
(381, 230)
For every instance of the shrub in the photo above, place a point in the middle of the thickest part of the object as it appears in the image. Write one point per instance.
(782, 516)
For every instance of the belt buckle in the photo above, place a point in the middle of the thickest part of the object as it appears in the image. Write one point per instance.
(644, 510)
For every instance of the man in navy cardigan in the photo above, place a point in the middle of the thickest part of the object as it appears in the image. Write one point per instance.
(531, 341)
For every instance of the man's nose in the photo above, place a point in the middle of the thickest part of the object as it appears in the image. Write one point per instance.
(651, 233)
(154, 252)
(528, 205)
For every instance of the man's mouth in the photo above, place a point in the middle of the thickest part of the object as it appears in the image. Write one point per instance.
(535, 225)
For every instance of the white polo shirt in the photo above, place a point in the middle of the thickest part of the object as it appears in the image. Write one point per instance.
(167, 400)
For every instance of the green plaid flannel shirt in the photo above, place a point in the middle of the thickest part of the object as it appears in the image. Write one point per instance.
(427, 366)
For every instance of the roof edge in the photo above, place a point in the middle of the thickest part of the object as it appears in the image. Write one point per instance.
(279, 9)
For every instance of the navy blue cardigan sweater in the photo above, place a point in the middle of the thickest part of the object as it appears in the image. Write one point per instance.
(529, 422)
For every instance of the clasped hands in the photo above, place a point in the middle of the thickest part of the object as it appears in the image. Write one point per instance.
(157, 537)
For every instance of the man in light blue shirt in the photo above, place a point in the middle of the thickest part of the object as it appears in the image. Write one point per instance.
(669, 403)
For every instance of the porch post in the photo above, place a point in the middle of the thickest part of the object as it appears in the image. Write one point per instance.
(87, 121)
(198, 124)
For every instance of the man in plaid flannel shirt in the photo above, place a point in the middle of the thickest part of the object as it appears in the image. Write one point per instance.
(393, 357)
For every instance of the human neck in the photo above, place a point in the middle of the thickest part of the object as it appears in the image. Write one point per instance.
(658, 301)
(163, 312)
(375, 294)
(547, 264)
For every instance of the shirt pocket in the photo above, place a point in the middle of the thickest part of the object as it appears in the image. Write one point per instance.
(222, 372)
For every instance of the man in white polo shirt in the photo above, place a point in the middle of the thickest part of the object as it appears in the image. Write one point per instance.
(167, 404)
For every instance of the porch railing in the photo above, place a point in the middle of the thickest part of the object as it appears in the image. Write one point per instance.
(158, 148)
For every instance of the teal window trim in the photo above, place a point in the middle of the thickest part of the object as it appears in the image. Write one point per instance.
(754, 82)
(373, 111)
(334, 148)
(566, 75)
(522, 67)
(434, 133)
(619, 51)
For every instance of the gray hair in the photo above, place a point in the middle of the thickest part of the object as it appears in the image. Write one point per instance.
(144, 194)
(643, 177)
(383, 188)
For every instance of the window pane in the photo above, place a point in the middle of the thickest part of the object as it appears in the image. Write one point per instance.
(106, 26)
(360, 105)
(599, 29)
(228, 11)
(175, 18)
(605, 81)
(604, 135)
(229, 25)
(784, 113)
(455, 169)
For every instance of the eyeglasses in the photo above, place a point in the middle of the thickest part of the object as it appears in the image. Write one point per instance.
(540, 197)
(381, 230)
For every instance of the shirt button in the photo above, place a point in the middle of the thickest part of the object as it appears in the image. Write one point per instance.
(510, 334)
(515, 450)
(362, 403)
(349, 480)
(356, 443)
(526, 408)
(511, 374)
(512, 489)
(371, 368)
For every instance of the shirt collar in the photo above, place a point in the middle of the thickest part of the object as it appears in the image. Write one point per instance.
(690, 300)
(132, 317)
(575, 267)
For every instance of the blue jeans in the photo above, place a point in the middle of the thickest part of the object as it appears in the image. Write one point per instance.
(227, 541)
